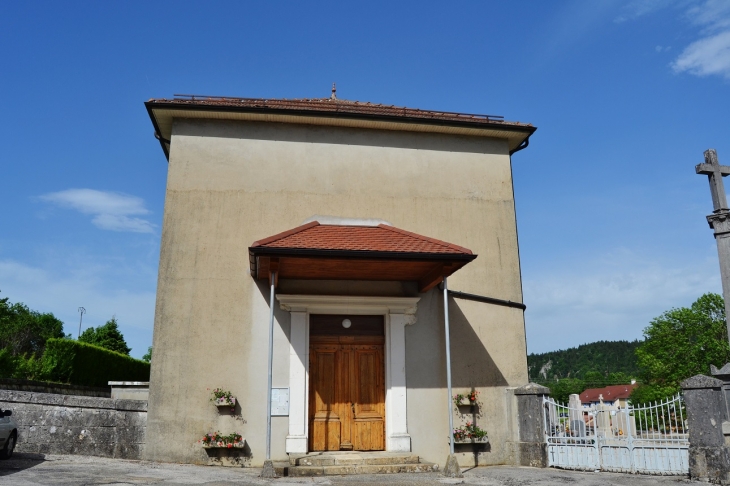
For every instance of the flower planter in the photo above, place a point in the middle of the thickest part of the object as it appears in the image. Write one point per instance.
(216, 440)
(482, 440)
(223, 398)
(224, 402)
(221, 445)
(467, 403)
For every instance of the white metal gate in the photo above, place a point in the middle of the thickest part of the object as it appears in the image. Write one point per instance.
(647, 439)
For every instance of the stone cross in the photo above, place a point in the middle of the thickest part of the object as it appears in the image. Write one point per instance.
(719, 220)
(716, 172)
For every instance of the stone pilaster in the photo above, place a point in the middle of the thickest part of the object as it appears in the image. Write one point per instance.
(709, 458)
(532, 447)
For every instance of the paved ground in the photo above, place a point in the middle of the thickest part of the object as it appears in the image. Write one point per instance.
(35, 469)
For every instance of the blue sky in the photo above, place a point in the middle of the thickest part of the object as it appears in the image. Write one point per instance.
(626, 96)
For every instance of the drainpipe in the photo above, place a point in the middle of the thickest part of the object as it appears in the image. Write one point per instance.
(451, 469)
(268, 471)
(448, 366)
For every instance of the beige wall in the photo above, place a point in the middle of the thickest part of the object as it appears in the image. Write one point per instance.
(231, 183)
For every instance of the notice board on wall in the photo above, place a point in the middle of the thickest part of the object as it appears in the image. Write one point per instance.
(279, 401)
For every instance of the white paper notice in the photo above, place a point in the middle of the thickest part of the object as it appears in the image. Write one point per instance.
(279, 401)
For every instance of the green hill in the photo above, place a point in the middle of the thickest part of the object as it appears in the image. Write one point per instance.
(604, 357)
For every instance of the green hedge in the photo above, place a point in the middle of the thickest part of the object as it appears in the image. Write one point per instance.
(78, 363)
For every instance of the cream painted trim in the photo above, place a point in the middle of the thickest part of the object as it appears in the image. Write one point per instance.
(399, 312)
(514, 135)
(344, 304)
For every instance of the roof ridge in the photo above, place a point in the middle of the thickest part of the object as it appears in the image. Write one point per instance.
(426, 238)
(392, 110)
(284, 234)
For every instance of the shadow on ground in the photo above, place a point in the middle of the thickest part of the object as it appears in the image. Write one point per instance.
(20, 462)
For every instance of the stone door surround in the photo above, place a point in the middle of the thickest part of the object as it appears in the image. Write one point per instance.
(398, 311)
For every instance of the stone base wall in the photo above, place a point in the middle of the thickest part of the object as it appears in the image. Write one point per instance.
(56, 388)
(709, 464)
(532, 454)
(66, 424)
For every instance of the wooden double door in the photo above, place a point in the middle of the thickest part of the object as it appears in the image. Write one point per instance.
(346, 383)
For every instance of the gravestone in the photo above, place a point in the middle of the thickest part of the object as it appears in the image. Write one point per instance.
(575, 412)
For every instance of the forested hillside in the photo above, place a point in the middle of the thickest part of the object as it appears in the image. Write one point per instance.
(604, 357)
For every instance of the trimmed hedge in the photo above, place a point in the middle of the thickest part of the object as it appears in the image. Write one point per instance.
(78, 363)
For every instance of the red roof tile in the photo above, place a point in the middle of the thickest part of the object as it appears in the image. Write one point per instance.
(330, 105)
(381, 238)
(610, 393)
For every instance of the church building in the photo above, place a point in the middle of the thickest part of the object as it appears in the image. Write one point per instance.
(354, 220)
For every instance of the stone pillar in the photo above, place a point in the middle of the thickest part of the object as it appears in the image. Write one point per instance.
(720, 223)
(396, 424)
(296, 440)
(708, 456)
(532, 447)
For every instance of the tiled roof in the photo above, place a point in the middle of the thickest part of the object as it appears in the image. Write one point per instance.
(334, 106)
(381, 238)
(610, 393)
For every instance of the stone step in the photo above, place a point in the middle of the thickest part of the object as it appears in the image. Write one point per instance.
(353, 459)
(341, 470)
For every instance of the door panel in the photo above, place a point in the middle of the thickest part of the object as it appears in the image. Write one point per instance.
(325, 426)
(369, 399)
(347, 388)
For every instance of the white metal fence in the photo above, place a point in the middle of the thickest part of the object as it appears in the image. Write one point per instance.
(648, 439)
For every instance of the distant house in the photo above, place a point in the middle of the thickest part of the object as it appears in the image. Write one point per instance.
(614, 395)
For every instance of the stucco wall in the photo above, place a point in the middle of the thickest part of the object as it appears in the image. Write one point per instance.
(65, 424)
(231, 183)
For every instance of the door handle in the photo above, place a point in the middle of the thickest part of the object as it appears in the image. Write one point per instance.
(353, 409)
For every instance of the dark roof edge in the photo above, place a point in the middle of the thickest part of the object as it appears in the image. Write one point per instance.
(158, 134)
(359, 254)
(506, 126)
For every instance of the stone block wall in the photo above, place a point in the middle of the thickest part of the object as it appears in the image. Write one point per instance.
(56, 388)
(531, 448)
(66, 424)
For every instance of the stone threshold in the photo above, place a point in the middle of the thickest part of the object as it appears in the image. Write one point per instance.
(339, 463)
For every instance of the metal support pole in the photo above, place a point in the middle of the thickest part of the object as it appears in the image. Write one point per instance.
(271, 361)
(448, 366)
(81, 319)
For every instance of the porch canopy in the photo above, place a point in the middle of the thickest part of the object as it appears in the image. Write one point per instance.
(316, 251)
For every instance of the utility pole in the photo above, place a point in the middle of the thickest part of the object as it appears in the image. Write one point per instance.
(82, 311)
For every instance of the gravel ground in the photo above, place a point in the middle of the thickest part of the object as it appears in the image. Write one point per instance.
(35, 469)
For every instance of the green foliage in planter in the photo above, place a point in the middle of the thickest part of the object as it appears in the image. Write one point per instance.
(79, 363)
(215, 439)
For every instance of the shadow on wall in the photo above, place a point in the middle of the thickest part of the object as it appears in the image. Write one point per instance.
(281, 317)
(276, 132)
(471, 364)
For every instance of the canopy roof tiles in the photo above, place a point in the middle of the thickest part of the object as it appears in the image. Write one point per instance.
(383, 252)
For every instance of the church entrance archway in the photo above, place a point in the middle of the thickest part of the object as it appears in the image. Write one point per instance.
(347, 382)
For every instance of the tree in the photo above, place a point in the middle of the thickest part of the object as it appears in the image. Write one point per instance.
(23, 336)
(681, 343)
(107, 336)
(24, 331)
(562, 389)
(148, 357)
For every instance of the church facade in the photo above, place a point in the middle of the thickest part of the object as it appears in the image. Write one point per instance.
(353, 216)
